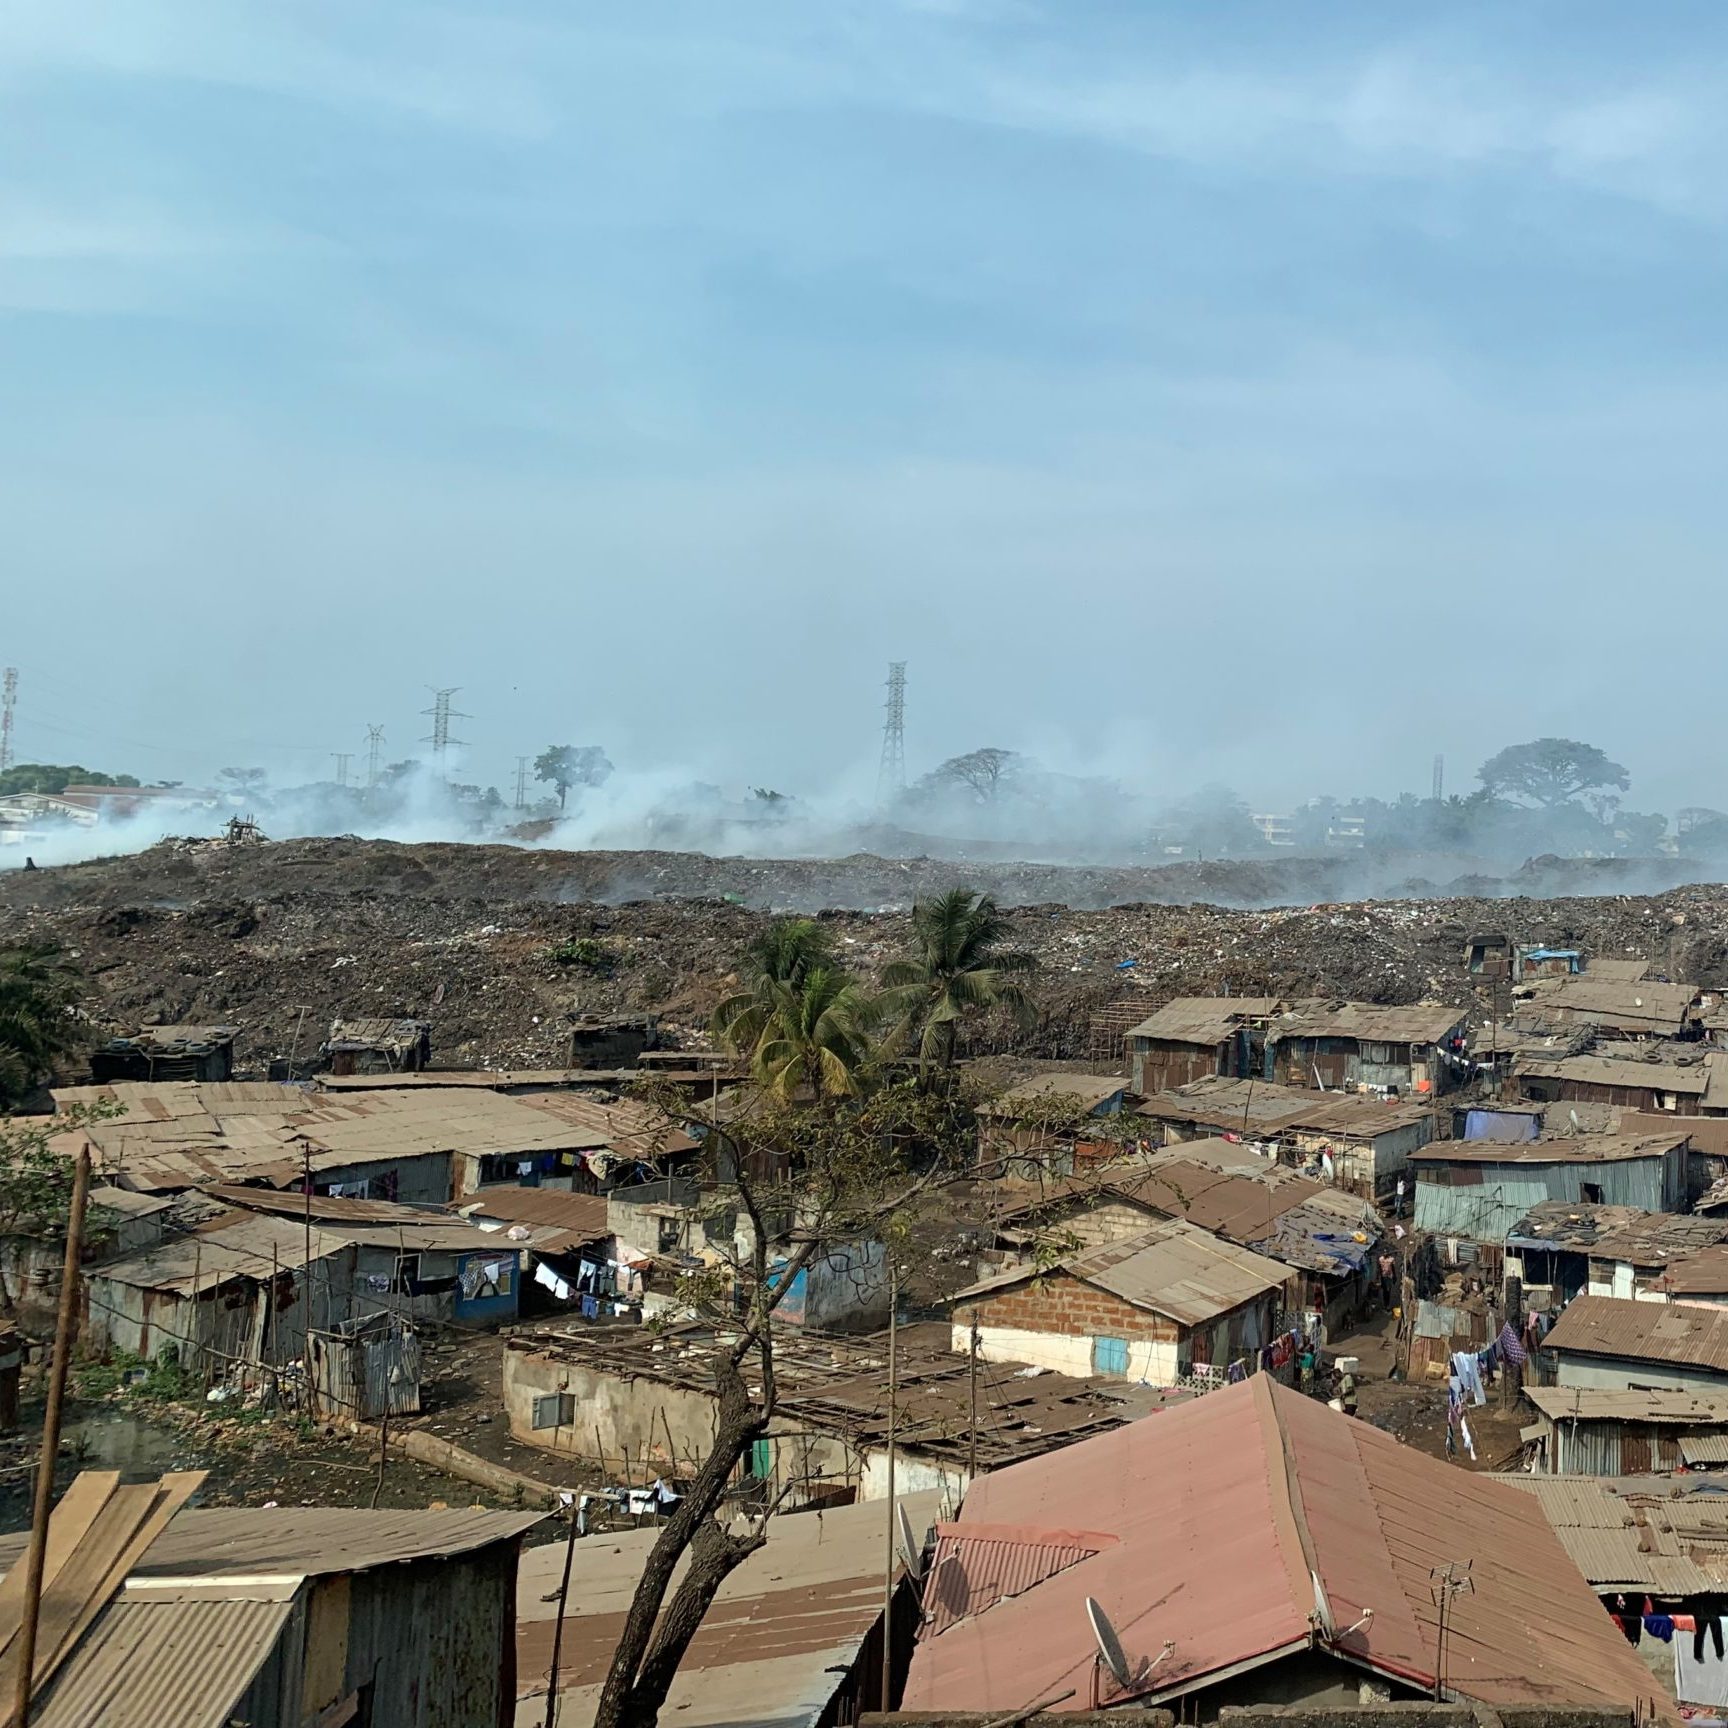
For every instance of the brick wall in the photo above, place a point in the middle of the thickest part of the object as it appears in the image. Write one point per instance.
(1061, 1304)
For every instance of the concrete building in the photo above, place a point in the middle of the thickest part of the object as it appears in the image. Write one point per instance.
(1151, 1308)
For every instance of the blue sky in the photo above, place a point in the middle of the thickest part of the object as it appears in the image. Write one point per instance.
(1274, 393)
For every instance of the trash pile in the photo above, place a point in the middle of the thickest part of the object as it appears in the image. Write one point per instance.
(502, 948)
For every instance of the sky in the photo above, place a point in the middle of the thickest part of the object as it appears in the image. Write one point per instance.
(1277, 393)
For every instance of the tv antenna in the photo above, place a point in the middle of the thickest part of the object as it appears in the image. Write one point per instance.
(1445, 1584)
(1110, 1654)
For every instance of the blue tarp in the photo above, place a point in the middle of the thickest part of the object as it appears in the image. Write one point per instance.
(1503, 1127)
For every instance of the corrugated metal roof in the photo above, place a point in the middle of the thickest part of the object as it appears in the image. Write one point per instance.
(1179, 1270)
(1203, 1019)
(781, 1638)
(1263, 1108)
(1223, 1506)
(1613, 1404)
(625, 1125)
(1702, 1273)
(1644, 1331)
(1629, 1538)
(1655, 1238)
(1566, 1149)
(1633, 1006)
(1090, 1089)
(1420, 1023)
(242, 1245)
(582, 1215)
(149, 1665)
(975, 1566)
(1691, 1079)
(1696, 1449)
(1616, 971)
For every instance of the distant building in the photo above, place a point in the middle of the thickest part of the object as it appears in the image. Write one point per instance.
(378, 1046)
(1685, 1080)
(1197, 1037)
(1604, 1343)
(1366, 1047)
(166, 1053)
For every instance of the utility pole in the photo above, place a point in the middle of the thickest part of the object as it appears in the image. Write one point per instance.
(891, 775)
(521, 782)
(972, 1393)
(342, 759)
(374, 751)
(893, 1533)
(441, 714)
(1439, 778)
(8, 714)
(37, 1557)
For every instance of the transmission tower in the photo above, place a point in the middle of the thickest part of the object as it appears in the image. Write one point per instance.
(442, 714)
(891, 776)
(521, 782)
(342, 759)
(8, 714)
(1439, 778)
(374, 750)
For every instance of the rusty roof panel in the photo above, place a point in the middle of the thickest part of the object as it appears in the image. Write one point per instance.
(1644, 1331)
(1204, 1019)
(976, 1566)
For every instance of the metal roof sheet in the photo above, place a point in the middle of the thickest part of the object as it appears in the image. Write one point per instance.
(582, 1215)
(240, 1245)
(1614, 1404)
(1563, 1149)
(1223, 1506)
(975, 1566)
(1264, 1109)
(150, 1664)
(1091, 1090)
(1656, 1238)
(1687, 1079)
(1370, 1022)
(1696, 1449)
(1635, 1005)
(781, 1638)
(1203, 1019)
(1174, 1268)
(1644, 1331)
(625, 1125)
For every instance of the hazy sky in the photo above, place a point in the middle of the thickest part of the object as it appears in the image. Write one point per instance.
(1274, 392)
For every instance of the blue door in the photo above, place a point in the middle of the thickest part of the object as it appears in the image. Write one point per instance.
(1110, 1356)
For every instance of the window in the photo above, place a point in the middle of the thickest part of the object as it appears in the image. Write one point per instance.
(1110, 1356)
(671, 1234)
(405, 1273)
(555, 1410)
(1592, 1193)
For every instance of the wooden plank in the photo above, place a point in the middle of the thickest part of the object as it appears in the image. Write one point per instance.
(77, 1509)
(172, 1493)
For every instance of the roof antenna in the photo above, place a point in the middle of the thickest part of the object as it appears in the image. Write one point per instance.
(1110, 1653)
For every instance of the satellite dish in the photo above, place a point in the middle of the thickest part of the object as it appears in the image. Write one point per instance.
(911, 1549)
(1322, 1608)
(1574, 1115)
(1109, 1645)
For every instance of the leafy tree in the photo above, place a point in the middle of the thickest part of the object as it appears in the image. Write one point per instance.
(36, 1176)
(248, 782)
(1213, 822)
(958, 967)
(1550, 772)
(1638, 833)
(567, 765)
(38, 995)
(50, 777)
(851, 1178)
(986, 773)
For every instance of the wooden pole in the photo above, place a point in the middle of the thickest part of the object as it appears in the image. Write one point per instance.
(972, 1391)
(888, 1566)
(558, 1624)
(63, 1331)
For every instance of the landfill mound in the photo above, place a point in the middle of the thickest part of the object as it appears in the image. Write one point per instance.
(501, 948)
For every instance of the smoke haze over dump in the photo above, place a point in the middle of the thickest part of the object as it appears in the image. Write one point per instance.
(1276, 401)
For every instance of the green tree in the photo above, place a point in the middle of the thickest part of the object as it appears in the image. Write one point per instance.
(51, 777)
(39, 993)
(797, 1016)
(957, 969)
(1550, 772)
(248, 782)
(567, 765)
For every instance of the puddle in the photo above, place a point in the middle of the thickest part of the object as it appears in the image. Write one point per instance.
(109, 1439)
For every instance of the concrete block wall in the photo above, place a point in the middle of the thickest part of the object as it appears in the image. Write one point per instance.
(1065, 1306)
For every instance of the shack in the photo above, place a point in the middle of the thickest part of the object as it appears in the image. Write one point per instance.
(1153, 1308)
(1193, 1037)
(1687, 1080)
(1618, 1008)
(1549, 1250)
(1365, 1047)
(1606, 1343)
(166, 1053)
(1479, 1190)
(1643, 1257)
(371, 1045)
(1046, 1125)
(645, 1401)
(1362, 1144)
(280, 1617)
(1597, 1432)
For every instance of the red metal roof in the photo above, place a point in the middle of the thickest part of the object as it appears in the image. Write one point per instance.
(975, 1566)
(1223, 1507)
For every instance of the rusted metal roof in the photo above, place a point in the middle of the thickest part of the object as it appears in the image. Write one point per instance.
(1631, 1006)
(784, 1633)
(1263, 1109)
(1704, 1078)
(1627, 1538)
(1204, 1019)
(624, 1125)
(1656, 1238)
(975, 1566)
(1678, 1332)
(148, 1664)
(238, 1245)
(1090, 1090)
(1613, 1404)
(1369, 1022)
(376, 1033)
(581, 1216)
(1223, 1508)
(1173, 1268)
(1562, 1149)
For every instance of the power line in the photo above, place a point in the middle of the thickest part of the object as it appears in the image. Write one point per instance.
(891, 775)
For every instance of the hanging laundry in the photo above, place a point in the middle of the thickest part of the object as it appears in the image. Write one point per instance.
(1659, 1626)
(1464, 1435)
(590, 1308)
(543, 1274)
(1469, 1375)
(1514, 1352)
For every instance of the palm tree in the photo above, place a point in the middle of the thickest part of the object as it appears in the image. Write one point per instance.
(958, 968)
(798, 1017)
(38, 991)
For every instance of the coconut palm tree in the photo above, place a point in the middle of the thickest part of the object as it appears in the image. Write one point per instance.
(958, 968)
(799, 1017)
(38, 991)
